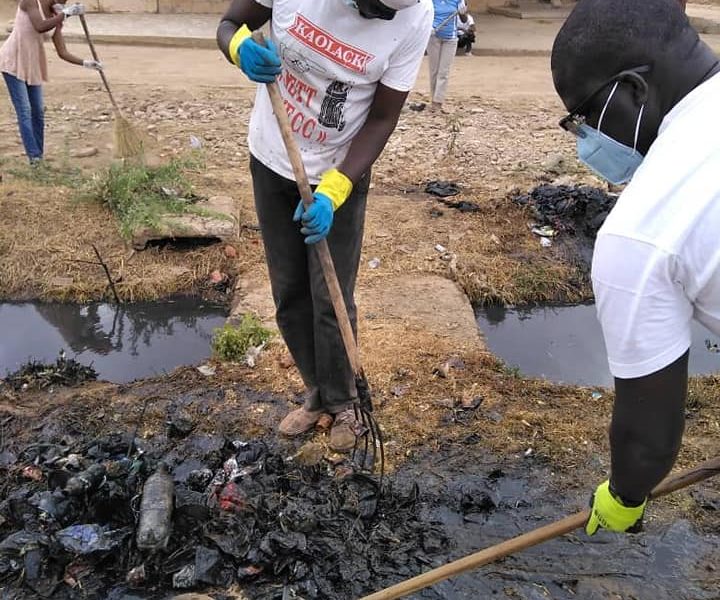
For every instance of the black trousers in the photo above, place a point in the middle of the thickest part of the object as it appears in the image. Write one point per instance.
(304, 312)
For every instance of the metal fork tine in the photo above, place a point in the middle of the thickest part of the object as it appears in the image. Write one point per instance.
(378, 442)
(367, 434)
(356, 411)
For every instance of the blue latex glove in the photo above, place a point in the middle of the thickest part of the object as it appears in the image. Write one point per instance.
(260, 64)
(316, 219)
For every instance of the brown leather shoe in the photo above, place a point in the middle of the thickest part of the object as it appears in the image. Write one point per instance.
(299, 421)
(342, 434)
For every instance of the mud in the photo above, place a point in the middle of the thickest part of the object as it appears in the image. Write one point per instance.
(282, 520)
(573, 214)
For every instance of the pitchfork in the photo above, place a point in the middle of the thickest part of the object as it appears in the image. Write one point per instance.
(368, 436)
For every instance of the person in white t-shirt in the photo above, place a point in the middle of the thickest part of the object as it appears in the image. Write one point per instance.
(643, 92)
(344, 69)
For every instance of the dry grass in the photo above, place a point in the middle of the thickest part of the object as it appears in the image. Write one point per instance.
(45, 236)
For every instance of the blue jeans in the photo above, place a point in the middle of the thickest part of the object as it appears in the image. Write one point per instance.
(28, 103)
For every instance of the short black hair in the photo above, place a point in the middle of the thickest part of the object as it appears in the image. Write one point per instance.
(603, 37)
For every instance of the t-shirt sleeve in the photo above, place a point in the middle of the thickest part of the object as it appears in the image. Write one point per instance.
(406, 59)
(641, 304)
(265, 3)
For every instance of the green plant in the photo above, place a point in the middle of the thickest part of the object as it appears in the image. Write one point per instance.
(512, 371)
(141, 195)
(45, 174)
(232, 343)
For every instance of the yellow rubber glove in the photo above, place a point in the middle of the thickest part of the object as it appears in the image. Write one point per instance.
(609, 513)
(336, 186)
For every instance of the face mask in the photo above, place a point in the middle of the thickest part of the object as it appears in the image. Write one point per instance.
(610, 159)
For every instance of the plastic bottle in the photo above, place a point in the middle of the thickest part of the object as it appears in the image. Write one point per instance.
(156, 509)
(87, 481)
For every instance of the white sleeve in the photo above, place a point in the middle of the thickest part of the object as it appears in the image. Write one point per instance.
(405, 61)
(641, 304)
(265, 3)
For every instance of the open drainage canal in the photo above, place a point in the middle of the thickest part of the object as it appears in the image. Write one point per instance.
(123, 342)
(565, 343)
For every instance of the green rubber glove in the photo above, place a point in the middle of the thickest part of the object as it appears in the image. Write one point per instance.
(609, 513)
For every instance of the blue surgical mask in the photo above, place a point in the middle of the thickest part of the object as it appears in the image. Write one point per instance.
(607, 157)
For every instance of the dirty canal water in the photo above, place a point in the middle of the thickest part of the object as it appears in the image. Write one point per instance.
(565, 343)
(123, 342)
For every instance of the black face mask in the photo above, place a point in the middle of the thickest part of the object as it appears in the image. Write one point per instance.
(374, 9)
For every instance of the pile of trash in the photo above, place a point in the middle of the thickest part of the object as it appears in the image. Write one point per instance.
(98, 518)
(576, 210)
(38, 375)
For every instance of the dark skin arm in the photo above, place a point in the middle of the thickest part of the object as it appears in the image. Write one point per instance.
(40, 23)
(241, 12)
(384, 111)
(375, 132)
(646, 430)
(61, 49)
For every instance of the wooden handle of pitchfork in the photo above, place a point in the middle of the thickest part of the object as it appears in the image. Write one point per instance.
(703, 471)
(94, 53)
(323, 252)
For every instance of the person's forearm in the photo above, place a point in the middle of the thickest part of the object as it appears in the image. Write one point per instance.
(646, 430)
(51, 23)
(241, 12)
(367, 145)
(72, 59)
(225, 32)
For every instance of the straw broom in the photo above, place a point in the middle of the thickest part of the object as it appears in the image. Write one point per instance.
(127, 142)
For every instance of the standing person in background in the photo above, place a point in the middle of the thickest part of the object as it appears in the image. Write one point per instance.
(24, 65)
(466, 34)
(443, 46)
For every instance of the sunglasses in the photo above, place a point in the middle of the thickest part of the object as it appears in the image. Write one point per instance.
(572, 121)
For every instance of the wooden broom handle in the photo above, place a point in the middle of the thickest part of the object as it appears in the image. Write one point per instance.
(703, 471)
(95, 57)
(322, 249)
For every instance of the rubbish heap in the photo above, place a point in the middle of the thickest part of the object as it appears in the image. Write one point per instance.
(100, 518)
(576, 210)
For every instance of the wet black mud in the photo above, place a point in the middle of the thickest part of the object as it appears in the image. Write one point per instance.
(574, 214)
(257, 514)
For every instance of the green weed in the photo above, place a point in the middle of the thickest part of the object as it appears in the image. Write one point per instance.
(231, 343)
(140, 195)
(45, 174)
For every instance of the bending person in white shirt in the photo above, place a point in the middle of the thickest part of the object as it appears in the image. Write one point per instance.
(643, 90)
(344, 69)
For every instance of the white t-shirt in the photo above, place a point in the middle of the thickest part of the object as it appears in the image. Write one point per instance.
(332, 61)
(657, 257)
(467, 25)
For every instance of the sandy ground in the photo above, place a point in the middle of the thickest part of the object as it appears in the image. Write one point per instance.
(499, 134)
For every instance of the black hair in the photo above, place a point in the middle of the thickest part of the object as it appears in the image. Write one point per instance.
(603, 37)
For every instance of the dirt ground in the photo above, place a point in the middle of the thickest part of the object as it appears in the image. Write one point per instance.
(500, 134)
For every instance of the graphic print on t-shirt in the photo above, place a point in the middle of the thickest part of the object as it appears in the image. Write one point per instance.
(332, 110)
(298, 62)
(319, 40)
